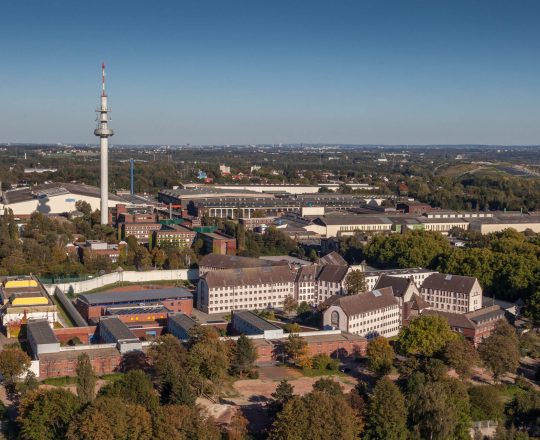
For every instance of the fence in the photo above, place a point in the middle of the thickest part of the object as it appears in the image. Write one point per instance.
(125, 276)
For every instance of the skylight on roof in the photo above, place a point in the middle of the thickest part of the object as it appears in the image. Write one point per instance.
(377, 292)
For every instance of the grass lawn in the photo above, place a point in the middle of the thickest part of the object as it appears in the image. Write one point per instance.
(68, 380)
(60, 381)
(111, 376)
(181, 283)
(62, 312)
(314, 372)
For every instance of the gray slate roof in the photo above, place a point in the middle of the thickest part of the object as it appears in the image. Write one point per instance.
(449, 283)
(248, 276)
(398, 284)
(365, 302)
(332, 273)
(333, 258)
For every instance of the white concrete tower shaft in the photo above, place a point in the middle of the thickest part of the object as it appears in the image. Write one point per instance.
(104, 132)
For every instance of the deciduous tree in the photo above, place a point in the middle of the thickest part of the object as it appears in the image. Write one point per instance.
(355, 282)
(328, 386)
(425, 335)
(295, 347)
(461, 355)
(380, 355)
(500, 351)
(316, 416)
(289, 304)
(45, 415)
(13, 363)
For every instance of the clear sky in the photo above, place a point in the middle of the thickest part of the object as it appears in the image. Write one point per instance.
(269, 71)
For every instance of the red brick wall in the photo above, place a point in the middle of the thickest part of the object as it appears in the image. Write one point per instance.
(141, 332)
(64, 335)
(182, 305)
(265, 353)
(104, 364)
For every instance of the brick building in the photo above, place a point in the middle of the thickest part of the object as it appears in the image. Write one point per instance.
(141, 231)
(93, 248)
(475, 325)
(218, 243)
(174, 235)
(414, 208)
(94, 305)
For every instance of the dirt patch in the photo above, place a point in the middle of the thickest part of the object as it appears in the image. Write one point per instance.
(278, 373)
(260, 390)
(222, 413)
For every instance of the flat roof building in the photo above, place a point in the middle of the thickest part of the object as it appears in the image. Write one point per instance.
(248, 323)
(41, 337)
(175, 299)
(179, 325)
(113, 330)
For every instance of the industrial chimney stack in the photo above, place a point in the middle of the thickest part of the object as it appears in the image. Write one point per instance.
(104, 132)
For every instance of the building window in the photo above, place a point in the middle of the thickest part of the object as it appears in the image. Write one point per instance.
(334, 319)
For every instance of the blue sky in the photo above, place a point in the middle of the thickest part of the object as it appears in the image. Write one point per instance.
(269, 71)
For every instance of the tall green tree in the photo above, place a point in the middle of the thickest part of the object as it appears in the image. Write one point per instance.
(316, 415)
(439, 410)
(387, 413)
(295, 347)
(283, 393)
(244, 356)
(86, 379)
(487, 403)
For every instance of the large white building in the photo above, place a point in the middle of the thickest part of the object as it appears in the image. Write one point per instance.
(340, 225)
(221, 291)
(452, 293)
(53, 198)
(368, 314)
(417, 274)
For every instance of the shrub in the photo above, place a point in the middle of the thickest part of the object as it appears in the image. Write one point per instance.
(320, 361)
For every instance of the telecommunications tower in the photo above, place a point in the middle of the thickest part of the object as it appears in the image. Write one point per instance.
(104, 132)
